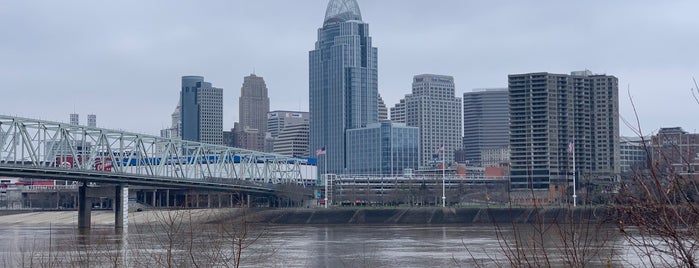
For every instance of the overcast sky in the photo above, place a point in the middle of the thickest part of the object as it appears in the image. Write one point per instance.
(123, 60)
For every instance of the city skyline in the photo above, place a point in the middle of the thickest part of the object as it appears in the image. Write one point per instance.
(90, 56)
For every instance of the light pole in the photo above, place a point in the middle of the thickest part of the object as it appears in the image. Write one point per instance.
(444, 164)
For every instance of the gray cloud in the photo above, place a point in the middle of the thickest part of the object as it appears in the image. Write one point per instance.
(123, 60)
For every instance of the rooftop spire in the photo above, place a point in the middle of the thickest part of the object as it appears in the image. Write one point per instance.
(342, 10)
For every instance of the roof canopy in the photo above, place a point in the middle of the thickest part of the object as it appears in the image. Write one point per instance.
(342, 10)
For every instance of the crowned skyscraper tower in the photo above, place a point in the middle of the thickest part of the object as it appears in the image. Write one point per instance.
(343, 91)
(253, 108)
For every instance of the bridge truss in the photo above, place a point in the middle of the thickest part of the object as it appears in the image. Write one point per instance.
(39, 143)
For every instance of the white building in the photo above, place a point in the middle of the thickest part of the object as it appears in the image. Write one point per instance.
(434, 109)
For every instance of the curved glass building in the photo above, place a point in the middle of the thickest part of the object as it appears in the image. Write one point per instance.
(343, 90)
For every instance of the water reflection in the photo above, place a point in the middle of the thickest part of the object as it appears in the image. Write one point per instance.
(287, 246)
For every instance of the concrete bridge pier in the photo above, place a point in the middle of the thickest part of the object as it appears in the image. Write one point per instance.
(121, 206)
(84, 207)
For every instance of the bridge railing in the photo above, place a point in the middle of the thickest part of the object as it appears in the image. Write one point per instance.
(34, 142)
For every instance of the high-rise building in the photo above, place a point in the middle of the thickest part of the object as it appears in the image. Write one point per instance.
(343, 89)
(553, 116)
(486, 127)
(292, 140)
(398, 112)
(253, 107)
(91, 120)
(75, 119)
(277, 122)
(383, 111)
(174, 131)
(201, 111)
(433, 108)
(384, 148)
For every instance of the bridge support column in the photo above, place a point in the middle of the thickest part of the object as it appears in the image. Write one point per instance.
(153, 200)
(121, 207)
(84, 208)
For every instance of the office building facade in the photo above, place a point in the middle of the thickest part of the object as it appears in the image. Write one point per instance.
(675, 151)
(633, 153)
(278, 120)
(201, 111)
(436, 111)
(486, 127)
(553, 116)
(91, 120)
(75, 119)
(277, 123)
(174, 131)
(383, 149)
(343, 89)
(292, 140)
(253, 106)
(383, 111)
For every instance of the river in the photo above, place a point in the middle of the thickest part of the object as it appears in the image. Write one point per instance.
(180, 245)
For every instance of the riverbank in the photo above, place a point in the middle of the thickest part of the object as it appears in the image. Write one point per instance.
(104, 217)
(422, 216)
(318, 216)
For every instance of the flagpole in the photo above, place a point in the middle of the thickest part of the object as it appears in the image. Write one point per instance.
(574, 196)
(325, 163)
(444, 164)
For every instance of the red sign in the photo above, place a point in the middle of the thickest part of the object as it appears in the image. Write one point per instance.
(101, 163)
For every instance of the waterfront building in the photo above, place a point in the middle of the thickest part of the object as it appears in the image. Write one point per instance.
(201, 111)
(433, 108)
(632, 153)
(253, 107)
(343, 89)
(382, 149)
(486, 127)
(675, 150)
(553, 116)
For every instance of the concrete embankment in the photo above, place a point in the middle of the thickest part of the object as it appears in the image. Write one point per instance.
(426, 215)
(105, 217)
(325, 216)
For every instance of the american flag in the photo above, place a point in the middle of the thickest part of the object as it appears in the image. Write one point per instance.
(320, 151)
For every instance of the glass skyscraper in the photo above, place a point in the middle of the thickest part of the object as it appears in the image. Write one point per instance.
(486, 126)
(343, 90)
(384, 148)
(201, 111)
